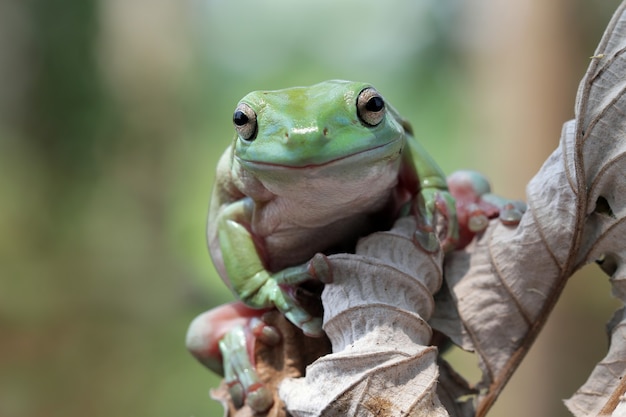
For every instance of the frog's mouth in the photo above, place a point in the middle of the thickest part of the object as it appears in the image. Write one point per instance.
(366, 156)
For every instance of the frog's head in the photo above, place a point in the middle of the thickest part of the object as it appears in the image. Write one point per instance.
(301, 127)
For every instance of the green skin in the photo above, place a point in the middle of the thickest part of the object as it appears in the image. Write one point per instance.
(313, 176)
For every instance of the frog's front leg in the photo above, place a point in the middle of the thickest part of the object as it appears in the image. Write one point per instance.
(252, 283)
(223, 339)
(435, 205)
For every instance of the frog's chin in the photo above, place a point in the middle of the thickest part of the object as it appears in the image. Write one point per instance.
(386, 152)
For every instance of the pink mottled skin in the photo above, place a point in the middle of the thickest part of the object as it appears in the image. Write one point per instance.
(469, 203)
(209, 328)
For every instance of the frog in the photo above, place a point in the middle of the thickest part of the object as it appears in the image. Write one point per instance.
(310, 171)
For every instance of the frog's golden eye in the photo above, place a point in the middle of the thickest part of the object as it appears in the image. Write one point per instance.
(370, 107)
(244, 119)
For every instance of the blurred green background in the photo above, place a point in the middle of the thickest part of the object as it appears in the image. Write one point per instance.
(113, 114)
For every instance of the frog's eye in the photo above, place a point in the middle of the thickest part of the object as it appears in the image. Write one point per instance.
(244, 119)
(370, 107)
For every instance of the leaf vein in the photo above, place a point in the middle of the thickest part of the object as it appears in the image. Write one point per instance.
(605, 168)
(542, 235)
(500, 276)
(608, 62)
(568, 173)
(604, 235)
(603, 112)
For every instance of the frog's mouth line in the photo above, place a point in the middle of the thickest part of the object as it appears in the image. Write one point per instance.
(357, 155)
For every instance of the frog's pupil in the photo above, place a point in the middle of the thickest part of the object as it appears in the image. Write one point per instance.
(240, 118)
(375, 104)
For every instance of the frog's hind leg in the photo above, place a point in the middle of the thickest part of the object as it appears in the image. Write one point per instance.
(223, 340)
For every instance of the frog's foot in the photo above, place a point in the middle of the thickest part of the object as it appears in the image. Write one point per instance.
(240, 376)
(476, 206)
(292, 299)
(223, 339)
(206, 331)
(437, 210)
(510, 211)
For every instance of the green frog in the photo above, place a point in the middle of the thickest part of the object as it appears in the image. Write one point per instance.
(310, 170)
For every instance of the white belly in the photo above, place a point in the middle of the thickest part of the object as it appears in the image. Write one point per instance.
(317, 212)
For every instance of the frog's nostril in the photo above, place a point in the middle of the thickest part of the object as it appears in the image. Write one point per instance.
(325, 131)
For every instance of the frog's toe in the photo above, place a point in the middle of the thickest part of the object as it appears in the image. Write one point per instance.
(320, 269)
(427, 240)
(510, 215)
(259, 398)
(287, 304)
(520, 205)
(236, 391)
(510, 212)
(313, 327)
(450, 234)
(477, 219)
(263, 332)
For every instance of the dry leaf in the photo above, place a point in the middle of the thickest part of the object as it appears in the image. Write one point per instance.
(506, 282)
(602, 146)
(375, 314)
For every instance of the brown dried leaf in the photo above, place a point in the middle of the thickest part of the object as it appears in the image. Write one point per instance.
(375, 313)
(606, 385)
(506, 282)
(602, 146)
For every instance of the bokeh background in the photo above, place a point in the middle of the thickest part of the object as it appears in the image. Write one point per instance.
(113, 114)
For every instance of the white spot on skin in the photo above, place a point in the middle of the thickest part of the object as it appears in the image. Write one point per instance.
(305, 130)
